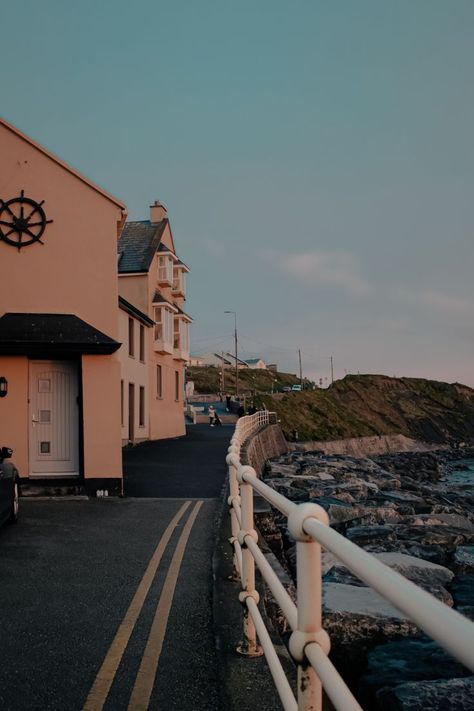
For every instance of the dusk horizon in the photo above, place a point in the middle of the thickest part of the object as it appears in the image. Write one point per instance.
(316, 163)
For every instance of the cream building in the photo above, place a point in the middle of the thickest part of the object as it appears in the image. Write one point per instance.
(153, 279)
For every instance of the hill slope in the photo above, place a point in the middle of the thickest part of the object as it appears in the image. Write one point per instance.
(364, 405)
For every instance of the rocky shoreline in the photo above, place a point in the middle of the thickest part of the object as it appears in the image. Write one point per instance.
(403, 509)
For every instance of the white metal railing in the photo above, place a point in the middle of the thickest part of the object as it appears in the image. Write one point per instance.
(309, 644)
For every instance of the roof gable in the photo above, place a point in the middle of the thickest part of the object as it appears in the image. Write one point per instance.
(138, 244)
(62, 163)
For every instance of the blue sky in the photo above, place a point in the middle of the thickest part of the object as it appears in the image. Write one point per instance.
(316, 159)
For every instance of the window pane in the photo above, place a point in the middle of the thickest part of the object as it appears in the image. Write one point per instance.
(158, 381)
(131, 344)
(142, 342)
(176, 383)
(141, 407)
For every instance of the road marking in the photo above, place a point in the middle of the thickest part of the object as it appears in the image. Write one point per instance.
(146, 674)
(99, 691)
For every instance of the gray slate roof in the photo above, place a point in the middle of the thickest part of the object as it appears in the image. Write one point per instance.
(138, 244)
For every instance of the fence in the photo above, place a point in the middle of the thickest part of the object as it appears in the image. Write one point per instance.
(309, 644)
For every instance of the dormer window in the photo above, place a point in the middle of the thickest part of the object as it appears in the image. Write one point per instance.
(179, 281)
(179, 278)
(163, 332)
(181, 336)
(165, 269)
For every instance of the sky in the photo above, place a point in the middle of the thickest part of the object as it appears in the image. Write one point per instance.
(316, 159)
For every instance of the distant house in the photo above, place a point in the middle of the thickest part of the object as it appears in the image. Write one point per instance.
(256, 363)
(213, 359)
(217, 360)
(195, 361)
(273, 367)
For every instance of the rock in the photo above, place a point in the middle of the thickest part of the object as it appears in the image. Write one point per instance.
(415, 658)
(369, 534)
(277, 470)
(464, 560)
(425, 695)
(462, 590)
(416, 569)
(359, 616)
(442, 535)
(442, 519)
(400, 497)
(429, 576)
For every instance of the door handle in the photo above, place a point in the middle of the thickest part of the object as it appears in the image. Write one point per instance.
(33, 419)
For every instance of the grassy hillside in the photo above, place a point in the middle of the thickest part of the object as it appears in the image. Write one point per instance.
(364, 405)
(207, 380)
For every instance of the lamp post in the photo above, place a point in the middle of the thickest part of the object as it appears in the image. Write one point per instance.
(235, 339)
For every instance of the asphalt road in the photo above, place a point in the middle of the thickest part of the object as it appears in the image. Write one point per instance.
(70, 570)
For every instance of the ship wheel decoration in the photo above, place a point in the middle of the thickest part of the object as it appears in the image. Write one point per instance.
(22, 221)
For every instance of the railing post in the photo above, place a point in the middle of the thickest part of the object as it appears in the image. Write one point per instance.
(233, 497)
(249, 646)
(309, 629)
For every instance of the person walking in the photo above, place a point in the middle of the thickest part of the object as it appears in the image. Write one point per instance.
(212, 413)
(217, 420)
(227, 402)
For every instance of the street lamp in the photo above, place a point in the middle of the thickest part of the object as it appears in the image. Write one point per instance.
(235, 339)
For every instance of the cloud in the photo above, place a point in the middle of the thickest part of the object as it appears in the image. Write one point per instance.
(445, 303)
(437, 301)
(336, 269)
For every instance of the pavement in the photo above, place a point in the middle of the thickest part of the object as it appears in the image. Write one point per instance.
(116, 604)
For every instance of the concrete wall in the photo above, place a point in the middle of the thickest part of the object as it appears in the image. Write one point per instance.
(365, 446)
(266, 444)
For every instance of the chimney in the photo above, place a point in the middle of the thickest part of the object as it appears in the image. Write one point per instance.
(157, 212)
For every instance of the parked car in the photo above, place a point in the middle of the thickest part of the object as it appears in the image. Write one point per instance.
(286, 389)
(9, 487)
(296, 388)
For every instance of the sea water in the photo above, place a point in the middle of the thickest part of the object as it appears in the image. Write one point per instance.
(462, 473)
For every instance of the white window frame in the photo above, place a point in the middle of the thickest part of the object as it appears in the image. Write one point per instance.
(165, 269)
(163, 329)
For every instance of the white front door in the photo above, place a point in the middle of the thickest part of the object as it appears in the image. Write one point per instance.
(54, 418)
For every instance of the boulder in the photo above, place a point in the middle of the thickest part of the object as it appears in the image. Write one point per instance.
(278, 470)
(429, 535)
(442, 519)
(416, 569)
(370, 534)
(357, 617)
(464, 560)
(424, 695)
(429, 576)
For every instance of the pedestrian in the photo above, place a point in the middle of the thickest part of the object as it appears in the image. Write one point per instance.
(241, 411)
(217, 420)
(227, 402)
(211, 412)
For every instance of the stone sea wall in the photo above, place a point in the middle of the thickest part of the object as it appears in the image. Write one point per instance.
(400, 508)
(365, 446)
(265, 445)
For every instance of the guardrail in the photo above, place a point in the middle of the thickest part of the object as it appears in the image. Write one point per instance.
(309, 644)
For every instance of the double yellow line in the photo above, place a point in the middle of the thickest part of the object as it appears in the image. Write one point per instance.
(145, 678)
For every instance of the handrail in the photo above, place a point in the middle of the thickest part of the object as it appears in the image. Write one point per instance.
(308, 524)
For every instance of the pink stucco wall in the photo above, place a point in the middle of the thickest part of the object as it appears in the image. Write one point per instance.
(73, 272)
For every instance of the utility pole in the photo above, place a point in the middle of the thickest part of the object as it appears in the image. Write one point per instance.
(236, 359)
(223, 374)
(301, 370)
(332, 371)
